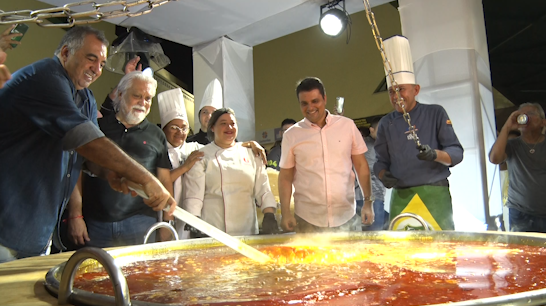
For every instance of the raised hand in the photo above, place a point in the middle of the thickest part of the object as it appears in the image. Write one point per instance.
(5, 75)
(133, 65)
(6, 39)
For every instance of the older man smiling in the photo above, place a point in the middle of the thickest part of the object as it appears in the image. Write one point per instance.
(113, 218)
(47, 123)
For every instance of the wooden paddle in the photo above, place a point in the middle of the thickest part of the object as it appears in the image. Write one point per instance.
(208, 229)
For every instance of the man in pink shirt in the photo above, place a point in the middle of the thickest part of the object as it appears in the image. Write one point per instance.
(318, 156)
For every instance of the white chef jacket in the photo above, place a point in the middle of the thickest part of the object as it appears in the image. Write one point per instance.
(225, 187)
(178, 156)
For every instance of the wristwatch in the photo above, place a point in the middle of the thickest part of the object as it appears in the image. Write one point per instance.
(369, 198)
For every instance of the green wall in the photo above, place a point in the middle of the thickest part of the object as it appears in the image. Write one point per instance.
(351, 70)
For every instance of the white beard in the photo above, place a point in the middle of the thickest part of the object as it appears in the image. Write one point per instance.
(132, 117)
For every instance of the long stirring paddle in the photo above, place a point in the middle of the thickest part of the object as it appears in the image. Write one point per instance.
(208, 229)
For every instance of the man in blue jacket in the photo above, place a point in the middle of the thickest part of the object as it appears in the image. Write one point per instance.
(48, 124)
(417, 174)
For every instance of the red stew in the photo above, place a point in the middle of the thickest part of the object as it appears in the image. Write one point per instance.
(348, 273)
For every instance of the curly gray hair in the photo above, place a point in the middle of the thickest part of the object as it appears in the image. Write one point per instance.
(126, 83)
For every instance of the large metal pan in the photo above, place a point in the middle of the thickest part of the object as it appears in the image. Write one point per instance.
(200, 248)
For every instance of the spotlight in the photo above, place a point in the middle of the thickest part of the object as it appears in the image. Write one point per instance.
(148, 71)
(334, 20)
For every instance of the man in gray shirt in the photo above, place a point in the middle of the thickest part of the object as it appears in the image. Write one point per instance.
(378, 189)
(526, 168)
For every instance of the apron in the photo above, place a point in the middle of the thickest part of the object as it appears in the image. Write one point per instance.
(432, 203)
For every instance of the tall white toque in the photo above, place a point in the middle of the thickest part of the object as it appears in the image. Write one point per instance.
(398, 53)
(213, 95)
(171, 106)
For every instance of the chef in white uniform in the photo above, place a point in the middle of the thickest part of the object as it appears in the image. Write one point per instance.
(212, 100)
(228, 185)
(183, 155)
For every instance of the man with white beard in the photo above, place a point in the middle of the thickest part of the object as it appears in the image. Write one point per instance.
(111, 218)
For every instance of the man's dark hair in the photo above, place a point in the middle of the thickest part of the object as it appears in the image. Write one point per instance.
(365, 132)
(288, 121)
(375, 122)
(309, 84)
(74, 38)
(214, 118)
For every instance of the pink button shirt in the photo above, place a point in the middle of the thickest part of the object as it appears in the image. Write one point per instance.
(323, 176)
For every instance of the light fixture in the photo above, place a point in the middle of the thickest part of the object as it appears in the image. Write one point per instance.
(136, 43)
(148, 71)
(334, 20)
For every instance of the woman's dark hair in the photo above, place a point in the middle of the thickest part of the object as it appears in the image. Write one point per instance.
(214, 118)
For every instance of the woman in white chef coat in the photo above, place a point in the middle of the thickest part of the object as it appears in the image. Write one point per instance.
(182, 154)
(228, 185)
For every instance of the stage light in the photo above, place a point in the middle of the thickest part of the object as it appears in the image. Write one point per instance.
(334, 20)
(148, 71)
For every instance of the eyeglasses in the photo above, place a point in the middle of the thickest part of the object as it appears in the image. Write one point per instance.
(179, 129)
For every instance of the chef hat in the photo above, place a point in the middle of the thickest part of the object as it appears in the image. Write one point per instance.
(171, 106)
(398, 53)
(213, 95)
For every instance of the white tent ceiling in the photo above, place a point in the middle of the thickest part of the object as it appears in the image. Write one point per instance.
(250, 22)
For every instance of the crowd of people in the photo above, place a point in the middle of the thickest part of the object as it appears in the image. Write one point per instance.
(70, 170)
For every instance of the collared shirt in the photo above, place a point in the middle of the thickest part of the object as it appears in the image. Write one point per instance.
(200, 137)
(226, 187)
(323, 177)
(147, 145)
(396, 150)
(43, 119)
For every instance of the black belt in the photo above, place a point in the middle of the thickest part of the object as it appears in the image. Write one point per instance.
(441, 183)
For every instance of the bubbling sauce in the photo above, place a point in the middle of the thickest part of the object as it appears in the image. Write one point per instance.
(344, 273)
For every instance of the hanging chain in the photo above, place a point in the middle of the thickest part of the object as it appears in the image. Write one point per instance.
(388, 68)
(99, 12)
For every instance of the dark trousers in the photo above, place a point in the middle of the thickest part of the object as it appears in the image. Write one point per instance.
(523, 222)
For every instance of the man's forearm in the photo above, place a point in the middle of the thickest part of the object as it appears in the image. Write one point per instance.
(443, 158)
(164, 176)
(106, 154)
(285, 193)
(75, 204)
(362, 169)
(498, 152)
(364, 179)
(285, 190)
